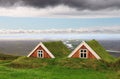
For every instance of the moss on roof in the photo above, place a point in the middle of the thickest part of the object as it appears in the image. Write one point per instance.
(101, 51)
(57, 48)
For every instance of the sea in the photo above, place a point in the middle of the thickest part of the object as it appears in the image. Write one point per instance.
(59, 36)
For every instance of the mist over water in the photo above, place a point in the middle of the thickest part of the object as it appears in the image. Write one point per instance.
(59, 36)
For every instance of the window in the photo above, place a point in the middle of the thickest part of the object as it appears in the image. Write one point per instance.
(83, 53)
(40, 54)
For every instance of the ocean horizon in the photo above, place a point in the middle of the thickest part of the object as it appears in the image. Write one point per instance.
(59, 36)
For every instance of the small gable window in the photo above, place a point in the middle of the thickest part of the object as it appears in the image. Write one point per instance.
(40, 54)
(83, 53)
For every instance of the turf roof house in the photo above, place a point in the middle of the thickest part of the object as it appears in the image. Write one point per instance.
(90, 49)
(49, 50)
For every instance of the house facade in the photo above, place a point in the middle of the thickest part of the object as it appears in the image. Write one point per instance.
(40, 51)
(83, 50)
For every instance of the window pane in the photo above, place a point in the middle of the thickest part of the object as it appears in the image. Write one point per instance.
(41, 51)
(81, 55)
(84, 55)
(85, 51)
(41, 55)
(81, 51)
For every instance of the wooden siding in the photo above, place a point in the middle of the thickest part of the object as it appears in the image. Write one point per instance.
(77, 53)
(34, 54)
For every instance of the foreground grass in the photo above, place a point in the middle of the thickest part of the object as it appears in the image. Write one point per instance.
(56, 72)
(58, 68)
(25, 62)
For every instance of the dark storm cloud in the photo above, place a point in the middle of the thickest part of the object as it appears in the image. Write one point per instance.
(32, 3)
(79, 4)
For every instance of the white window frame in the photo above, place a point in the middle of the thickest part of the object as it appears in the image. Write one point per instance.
(42, 52)
(83, 53)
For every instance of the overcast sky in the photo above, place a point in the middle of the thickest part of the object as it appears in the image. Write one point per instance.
(60, 14)
(60, 8)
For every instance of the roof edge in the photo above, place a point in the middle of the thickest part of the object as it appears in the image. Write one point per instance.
(87, 46)
(44, 47)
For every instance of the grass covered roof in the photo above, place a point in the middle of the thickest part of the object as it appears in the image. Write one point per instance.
(57, 48)
(100, 50)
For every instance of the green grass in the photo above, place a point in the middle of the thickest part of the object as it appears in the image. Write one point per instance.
(100, 50)
(58, 68)
(56, 72)
(14, 67)
(72, 63)
(7, 57)
(57, 48)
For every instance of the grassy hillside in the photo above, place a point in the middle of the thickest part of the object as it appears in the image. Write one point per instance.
(7, 57)
(100, 50)
(25, 62)
(56, 73)
(65, 68)
(14, 67)
(57, 48)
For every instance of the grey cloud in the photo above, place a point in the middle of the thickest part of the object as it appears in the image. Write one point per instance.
(93, 4)
(8, 3)
(79, 4)
(32, 3)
